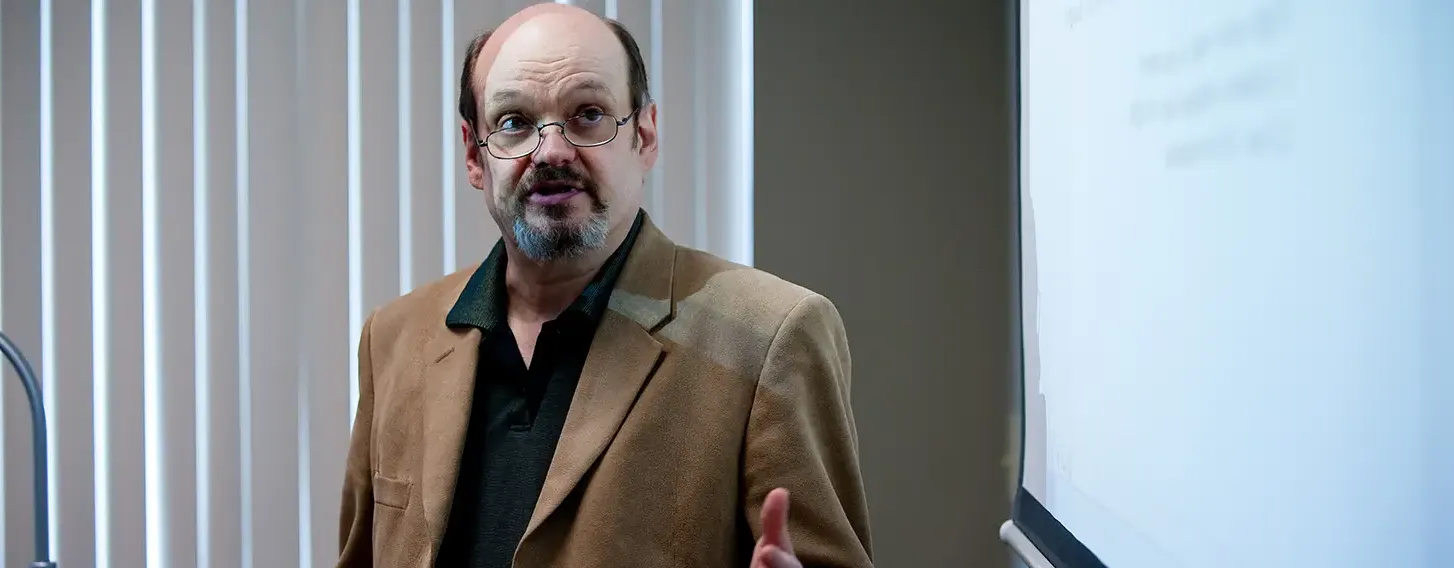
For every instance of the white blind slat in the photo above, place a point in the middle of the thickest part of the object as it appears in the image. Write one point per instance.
(404, 140)
(216, 133)
(448, 54)
(172, 394)
(732, 220)
(218, 130)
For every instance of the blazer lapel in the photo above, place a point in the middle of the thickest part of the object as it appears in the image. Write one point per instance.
(623, 356)
(449, 381)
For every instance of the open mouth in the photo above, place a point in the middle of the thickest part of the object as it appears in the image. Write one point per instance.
(552, 193)
(552, 189)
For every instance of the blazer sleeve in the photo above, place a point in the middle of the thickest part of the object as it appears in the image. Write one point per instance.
(356, 517)
(801, 437)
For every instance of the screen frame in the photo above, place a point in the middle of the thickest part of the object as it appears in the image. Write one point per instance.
(1028, 514)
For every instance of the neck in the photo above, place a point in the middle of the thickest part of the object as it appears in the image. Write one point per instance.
(540, 291)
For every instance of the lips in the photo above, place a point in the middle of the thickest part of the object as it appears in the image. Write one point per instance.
(552, 188)
(552, 193)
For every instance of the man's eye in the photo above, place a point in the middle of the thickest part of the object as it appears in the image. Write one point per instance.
(592, 114)
(511, 123)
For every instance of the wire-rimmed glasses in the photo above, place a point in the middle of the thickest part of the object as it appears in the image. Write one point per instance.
(585, 130)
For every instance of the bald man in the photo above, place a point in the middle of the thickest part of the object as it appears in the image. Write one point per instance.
(592, 394)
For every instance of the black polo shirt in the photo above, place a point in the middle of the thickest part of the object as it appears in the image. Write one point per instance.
(517, 412)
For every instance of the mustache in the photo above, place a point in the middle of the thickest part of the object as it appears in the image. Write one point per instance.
(553, 175)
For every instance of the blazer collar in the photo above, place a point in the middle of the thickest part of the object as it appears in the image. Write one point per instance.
(482, 303)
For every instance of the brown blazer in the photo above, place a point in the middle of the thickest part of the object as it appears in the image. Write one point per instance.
(707, 385)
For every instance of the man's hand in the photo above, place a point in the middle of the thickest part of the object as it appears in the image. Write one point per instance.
(775, 549)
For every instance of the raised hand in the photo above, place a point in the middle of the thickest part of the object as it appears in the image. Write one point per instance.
(775, 548)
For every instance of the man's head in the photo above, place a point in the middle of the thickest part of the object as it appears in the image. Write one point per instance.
(560, 191)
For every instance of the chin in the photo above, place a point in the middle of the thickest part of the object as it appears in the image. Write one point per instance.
(557, 235)
(562, 216)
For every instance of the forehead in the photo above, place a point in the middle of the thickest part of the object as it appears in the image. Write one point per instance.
(549, 49)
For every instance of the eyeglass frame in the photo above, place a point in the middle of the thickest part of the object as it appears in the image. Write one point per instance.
(540, 135)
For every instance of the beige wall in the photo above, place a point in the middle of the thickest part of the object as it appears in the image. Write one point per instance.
(882, 181)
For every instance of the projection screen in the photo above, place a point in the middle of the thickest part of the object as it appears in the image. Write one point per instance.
(1236, 282)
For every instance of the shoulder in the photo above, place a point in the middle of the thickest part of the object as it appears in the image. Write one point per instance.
(418, 315)
(727, 289)
(736, 313)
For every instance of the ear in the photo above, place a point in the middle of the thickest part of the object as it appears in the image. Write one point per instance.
(647, 133)
(474, 165)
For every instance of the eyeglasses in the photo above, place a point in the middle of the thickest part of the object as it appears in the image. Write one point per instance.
(586, 130)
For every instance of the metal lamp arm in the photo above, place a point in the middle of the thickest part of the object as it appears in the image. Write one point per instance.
(37, 420)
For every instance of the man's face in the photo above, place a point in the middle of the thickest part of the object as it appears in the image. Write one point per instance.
(561, 200)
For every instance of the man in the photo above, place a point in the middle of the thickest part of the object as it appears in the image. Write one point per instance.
(593, 394)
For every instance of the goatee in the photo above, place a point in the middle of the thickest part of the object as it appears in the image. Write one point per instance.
(546, 232)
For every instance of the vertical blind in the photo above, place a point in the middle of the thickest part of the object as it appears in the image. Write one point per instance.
(200, 201)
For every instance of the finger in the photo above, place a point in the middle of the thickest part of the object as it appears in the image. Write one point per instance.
(778, 558)
(759, 556)
(775, 520)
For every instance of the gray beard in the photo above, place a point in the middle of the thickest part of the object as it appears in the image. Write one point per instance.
(558, 242)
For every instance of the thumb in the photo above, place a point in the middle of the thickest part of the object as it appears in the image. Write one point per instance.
(775, 520)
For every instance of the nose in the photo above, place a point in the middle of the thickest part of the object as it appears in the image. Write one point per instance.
(554, 149)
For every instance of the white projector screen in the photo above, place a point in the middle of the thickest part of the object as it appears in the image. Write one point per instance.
(1237, 282)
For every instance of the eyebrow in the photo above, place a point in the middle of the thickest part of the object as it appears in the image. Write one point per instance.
(507, 96)
(591, 85)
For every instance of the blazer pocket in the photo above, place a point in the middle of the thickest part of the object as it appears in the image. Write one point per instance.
(391, 492)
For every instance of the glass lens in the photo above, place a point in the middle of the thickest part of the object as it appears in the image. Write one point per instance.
(590, 129)
(512, 142)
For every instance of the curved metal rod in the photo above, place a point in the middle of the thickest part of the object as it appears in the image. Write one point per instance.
(37, 420)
